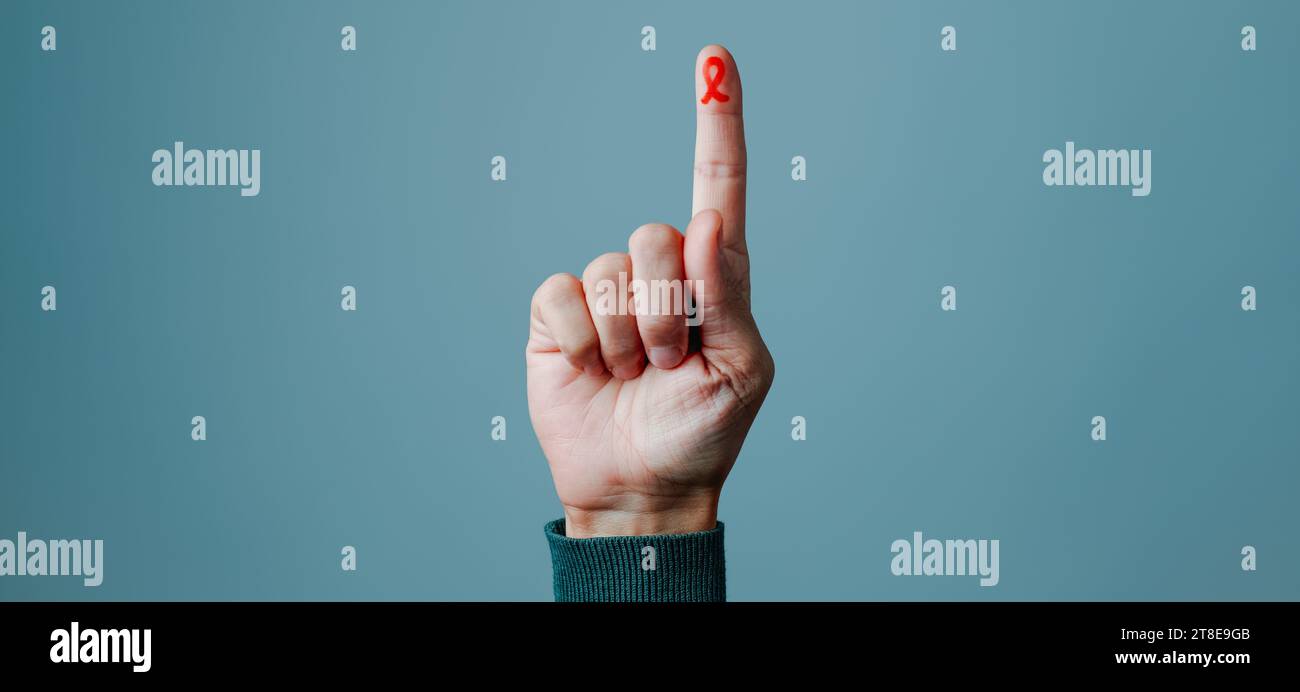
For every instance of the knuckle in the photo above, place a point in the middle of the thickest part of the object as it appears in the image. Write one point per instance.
(720, 170)
(584, 347)
(767, 367)
(751, 373)
(652, 237)
(620, 352)
(553, 287)
(755, 364)
(661, 329)
(605, 266)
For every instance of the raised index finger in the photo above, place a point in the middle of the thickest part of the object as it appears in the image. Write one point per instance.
(720, 143)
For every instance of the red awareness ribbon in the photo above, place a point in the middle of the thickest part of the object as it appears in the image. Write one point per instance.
(711, 83)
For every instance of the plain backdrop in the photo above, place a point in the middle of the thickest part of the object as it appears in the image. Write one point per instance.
(372, 429)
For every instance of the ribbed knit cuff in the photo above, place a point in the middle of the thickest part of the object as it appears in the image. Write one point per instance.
(686, 567)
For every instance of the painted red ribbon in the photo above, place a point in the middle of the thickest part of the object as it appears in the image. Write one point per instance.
(711, 83)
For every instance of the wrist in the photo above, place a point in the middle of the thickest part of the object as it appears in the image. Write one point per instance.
(678, 515)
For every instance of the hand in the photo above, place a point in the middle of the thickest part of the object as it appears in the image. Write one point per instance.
(639, 448)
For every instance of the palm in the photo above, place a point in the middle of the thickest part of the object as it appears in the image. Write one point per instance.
(662, 431)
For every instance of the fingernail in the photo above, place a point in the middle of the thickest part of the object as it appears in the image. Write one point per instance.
(665, 357)
(594, 369)
(625, 372)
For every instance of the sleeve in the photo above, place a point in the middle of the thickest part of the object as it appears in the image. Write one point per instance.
(668, 568)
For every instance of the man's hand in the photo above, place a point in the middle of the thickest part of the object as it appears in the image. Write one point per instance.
(640, 448)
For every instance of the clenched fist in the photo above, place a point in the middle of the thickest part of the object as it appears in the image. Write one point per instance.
(640, 414)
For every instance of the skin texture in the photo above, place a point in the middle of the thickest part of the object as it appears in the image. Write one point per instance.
(640, 421)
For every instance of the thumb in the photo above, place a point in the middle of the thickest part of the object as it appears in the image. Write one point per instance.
(719, 282)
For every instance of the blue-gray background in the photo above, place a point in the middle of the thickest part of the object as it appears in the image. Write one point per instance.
(328, 428)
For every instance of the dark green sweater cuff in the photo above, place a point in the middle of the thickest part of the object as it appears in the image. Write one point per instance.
(686, 567)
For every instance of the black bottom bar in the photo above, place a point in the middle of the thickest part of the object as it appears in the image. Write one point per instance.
(249, 640)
